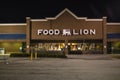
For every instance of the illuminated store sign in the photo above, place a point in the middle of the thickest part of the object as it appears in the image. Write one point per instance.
(66, 32)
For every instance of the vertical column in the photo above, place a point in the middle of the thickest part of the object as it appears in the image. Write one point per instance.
(28, 35)
(66, 46)
(104, 35)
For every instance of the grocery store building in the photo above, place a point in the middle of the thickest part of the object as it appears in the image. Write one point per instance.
(65, 32)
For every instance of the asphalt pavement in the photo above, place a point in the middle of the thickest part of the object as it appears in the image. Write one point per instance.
(60, 69)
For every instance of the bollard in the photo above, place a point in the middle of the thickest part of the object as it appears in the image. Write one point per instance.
(35, 55)
(31, 56)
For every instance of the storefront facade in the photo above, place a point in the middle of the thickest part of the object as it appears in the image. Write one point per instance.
(65, 33)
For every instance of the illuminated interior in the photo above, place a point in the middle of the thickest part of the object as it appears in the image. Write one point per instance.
(10, 47)
(71, 46)
(85, 46)
(115, 47)
(51, 46)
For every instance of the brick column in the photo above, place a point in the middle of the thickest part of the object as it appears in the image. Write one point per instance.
(66, 46)
(104, 35)
(28, 35)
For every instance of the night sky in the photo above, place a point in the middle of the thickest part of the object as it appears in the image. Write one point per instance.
(16, 11)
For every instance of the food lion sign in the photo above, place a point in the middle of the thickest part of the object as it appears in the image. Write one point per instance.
(66, 32)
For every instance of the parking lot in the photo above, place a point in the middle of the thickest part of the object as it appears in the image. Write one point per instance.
(60, 69)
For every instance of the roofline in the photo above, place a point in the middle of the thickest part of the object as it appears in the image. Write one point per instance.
(113, 23)
(62, 13)
(12, 24)
(39, 20)
(94, 19)
(70, 12)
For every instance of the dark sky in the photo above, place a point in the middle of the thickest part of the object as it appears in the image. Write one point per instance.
(16, 11)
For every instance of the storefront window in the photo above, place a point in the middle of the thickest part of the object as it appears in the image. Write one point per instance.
(115, 48)
(87, 48)
(51, 46)
(73, 48)
(84, 46)
(13, 47)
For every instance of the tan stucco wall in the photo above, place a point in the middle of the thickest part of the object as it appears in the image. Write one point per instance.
(113, 28)
(13, 29)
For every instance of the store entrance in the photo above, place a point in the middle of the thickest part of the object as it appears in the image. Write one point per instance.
(51, 47)
(72, 47)
(85, 47)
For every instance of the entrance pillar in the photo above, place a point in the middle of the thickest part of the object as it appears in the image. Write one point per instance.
(66, 47)
(28, 34)
(104, 35)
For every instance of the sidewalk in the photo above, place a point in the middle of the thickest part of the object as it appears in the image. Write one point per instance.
(83, 57)
(91, 57)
